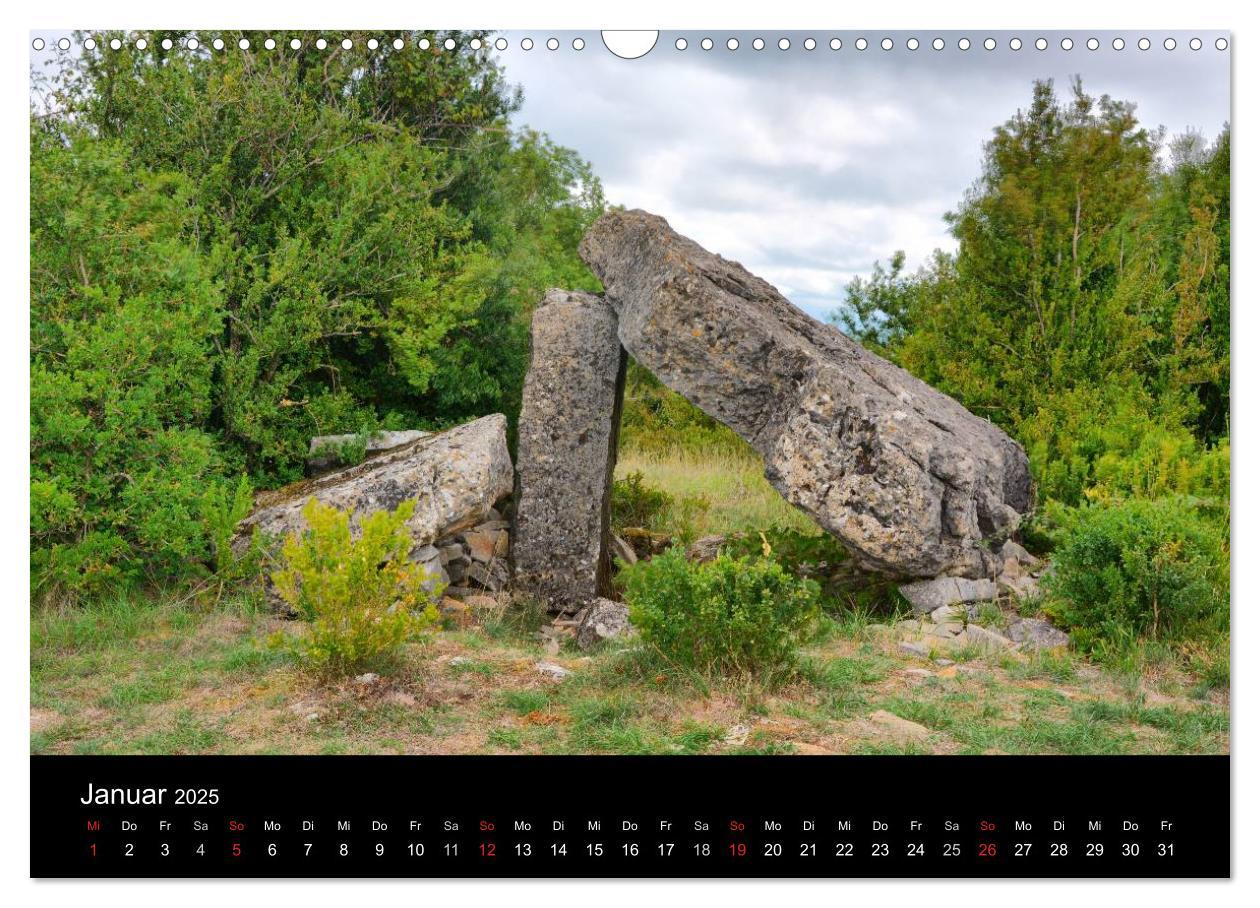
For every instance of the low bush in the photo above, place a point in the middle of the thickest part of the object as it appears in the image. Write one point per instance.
(363, 598)
(636, 504)
(807, 554)
(1140, 569)
(733, 616)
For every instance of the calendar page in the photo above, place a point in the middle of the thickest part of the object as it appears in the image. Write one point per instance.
(705, 453)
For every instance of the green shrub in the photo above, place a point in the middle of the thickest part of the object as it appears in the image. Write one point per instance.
(347, 452)
(635, 504)
(733, 616)
(659, 421)
(1155, 569)
(179, 334)
(363, 598)
(806, 554)
(222, 508)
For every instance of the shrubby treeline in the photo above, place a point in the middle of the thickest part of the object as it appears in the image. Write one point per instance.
(1086, 311)
(233, 252)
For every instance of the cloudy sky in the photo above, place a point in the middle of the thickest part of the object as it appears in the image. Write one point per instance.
(807, 166)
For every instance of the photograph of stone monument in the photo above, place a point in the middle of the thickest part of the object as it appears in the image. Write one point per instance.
(443, 393)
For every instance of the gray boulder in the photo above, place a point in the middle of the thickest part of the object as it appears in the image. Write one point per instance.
(1034, 634)
(455, 477)
(570, 412)
(603, 620)
(927, 596)
(910, 481)
(431, 559)
(706, 548)
(1012, 550)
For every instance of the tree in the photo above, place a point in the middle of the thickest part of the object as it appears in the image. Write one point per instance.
(1086, 309)
(332, 240)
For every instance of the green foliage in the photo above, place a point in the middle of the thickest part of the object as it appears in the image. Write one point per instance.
(362, 597)
(737, 617)
(121, 316)
(1087, 304)
(1102, 443)
(223, 507)
(656, 420)
(805, 554)
(636, 504)
(1137, 569)
(347, 451)
(1086, 311)
(232, 253)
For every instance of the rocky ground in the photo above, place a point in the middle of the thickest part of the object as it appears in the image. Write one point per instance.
(499, 680)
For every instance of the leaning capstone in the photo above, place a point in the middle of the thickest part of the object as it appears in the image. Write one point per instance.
(604, 619)
(910, 481)
(926, 596)
(454, 477)
(570, 411)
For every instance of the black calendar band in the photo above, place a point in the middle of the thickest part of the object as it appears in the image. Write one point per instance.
(685, 816)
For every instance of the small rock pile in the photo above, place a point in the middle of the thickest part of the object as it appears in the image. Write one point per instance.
(472, 560)
(946, 609)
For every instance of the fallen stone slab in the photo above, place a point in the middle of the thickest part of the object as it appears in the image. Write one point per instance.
(1021, 586)
(570, 412)
(551, 670)
(927, 596)
(948, 613)
(325, 450)
(454, 477)
(911, 482)
(914, 649)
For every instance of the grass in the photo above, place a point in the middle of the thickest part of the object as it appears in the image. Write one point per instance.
(733, 486)
(154, 675)
(160, 677)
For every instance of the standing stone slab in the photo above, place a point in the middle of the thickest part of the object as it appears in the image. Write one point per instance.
(455, 477)
(568, 442)
(910, 481)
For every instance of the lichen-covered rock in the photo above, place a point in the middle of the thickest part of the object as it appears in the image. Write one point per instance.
(570, 411)
(1035, 634)
(603, 620)
(454, 477)
(910, 481)
(926, 596)
(706, 548)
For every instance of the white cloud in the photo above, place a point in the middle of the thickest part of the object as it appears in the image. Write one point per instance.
(807, 169)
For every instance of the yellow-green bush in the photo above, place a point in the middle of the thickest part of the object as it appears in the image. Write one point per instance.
(362, 597)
